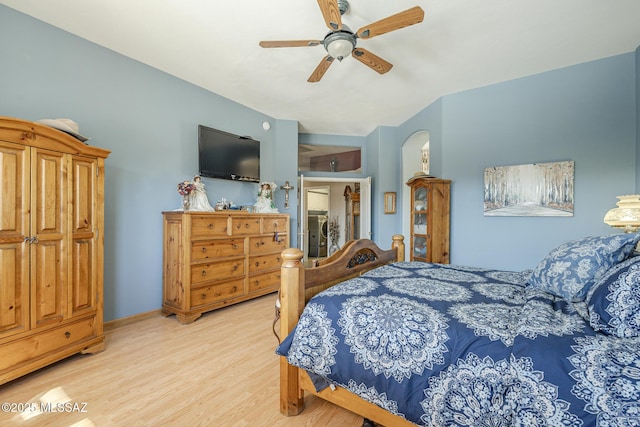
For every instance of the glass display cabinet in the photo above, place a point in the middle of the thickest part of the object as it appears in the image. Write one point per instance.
(430, 211)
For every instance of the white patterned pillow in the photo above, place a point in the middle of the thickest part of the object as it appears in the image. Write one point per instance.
(571, 269)
(614, 302)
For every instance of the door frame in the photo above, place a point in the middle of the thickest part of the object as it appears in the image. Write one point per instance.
(365, 206)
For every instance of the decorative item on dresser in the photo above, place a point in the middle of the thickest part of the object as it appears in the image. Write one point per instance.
(265, 201)
(430, 210)
(51, 246)
(215, 259)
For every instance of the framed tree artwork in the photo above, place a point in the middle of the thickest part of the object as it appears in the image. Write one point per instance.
(537, 189)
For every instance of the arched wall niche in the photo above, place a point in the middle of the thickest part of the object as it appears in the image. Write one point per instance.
(411, 163)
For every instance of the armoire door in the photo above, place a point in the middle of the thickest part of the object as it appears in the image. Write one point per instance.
(49, 205)
(83, 262)
(14, 229)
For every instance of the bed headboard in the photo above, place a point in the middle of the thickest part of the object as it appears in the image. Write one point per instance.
(298, 284)
(356, 257)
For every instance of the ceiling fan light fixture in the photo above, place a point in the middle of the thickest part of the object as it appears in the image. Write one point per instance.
(340, 48)
(341, 41)
(340, 44)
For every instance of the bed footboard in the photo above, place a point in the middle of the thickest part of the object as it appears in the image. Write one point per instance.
(299, 284)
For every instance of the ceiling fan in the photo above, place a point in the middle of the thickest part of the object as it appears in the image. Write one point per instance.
(341, 41)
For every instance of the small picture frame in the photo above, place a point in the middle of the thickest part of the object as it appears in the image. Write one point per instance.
(390, 202)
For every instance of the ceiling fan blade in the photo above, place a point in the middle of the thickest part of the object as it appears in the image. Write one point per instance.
(370, 60)
(322, 68)
(331, 14)
(290, 43)
(412, 16)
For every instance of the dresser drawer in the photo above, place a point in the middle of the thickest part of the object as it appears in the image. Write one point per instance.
(264, 262)
(245, 225)
(272, 225)
(267, 244)
(259, 282)
(217, 270)
(209, 225)
(218, 292)
(217, 249)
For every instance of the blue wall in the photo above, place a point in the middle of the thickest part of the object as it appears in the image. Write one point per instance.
(149, 119)
(385, 162)
(585, 113)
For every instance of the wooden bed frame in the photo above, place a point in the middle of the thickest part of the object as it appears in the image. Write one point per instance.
(298, 285)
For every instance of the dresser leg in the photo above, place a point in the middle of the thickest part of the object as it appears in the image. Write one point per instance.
(186, 319)
(96, 348)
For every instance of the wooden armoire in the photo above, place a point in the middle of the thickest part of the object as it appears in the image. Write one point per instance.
(430, 212)
(51, 247)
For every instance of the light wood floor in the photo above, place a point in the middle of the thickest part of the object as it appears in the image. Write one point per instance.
(220, 370)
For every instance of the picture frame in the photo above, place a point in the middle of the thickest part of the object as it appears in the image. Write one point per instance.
(535, 189)
(390, 202)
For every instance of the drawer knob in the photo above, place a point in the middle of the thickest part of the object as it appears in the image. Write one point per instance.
(210, 226)
(204, 250)
(234, 246)
(67, 334)
(235, 267)
(204, 273)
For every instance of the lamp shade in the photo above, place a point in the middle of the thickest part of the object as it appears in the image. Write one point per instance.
(627, 215)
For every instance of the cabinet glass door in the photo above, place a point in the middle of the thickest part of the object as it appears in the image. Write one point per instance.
(420, 206)
(420, 247)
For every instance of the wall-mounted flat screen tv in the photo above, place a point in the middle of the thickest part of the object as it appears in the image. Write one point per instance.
(227, 156)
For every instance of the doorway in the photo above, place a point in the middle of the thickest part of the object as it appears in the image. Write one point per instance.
(318, 209)
(311, 192)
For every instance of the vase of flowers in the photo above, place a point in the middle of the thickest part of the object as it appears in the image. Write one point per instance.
(334, 235)
(185, 188)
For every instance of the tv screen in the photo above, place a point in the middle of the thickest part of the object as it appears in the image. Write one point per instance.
(227, 156)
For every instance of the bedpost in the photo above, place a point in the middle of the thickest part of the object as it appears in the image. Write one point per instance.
(398, 245)
(292, 303)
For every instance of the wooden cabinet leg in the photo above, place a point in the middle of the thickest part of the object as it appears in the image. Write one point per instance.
(186, 319)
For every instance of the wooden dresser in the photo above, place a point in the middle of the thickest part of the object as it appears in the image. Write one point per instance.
(51, 247)
(214, 259)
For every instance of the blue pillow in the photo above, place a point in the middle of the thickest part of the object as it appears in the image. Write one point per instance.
(614, 302)
(571, 269)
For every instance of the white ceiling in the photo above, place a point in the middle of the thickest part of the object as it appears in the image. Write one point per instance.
(461, 44)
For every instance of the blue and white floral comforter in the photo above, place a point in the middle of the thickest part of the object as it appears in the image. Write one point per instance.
(442, 345)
